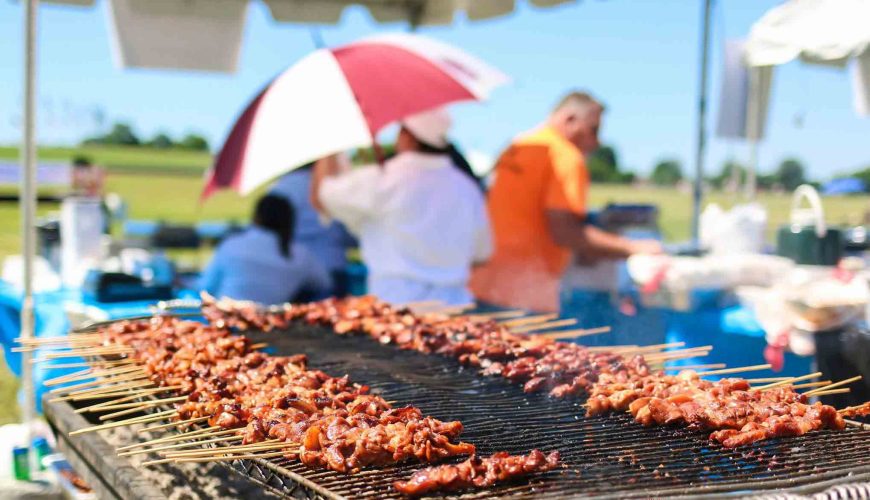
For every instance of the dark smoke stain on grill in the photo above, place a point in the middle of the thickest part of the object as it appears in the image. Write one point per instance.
(602, 456)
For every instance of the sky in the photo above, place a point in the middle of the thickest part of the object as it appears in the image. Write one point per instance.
(641, 57)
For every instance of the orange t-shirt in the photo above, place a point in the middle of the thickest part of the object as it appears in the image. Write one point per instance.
(540, 171)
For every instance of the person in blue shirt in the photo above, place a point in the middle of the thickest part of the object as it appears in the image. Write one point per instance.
(263, 263)
(327, 241)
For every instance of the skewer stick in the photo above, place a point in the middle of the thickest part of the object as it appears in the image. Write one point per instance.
(259, 345)
(454, 310)
(835, 384)
(55, 340)
(832, 391)
(96, 364)
(739, 369)
(613, 348)
(106, 375)
(104, 392)
(694, 367)
(216, 459)
(127, 391)
(573, 334)
(180, 422)
(676, 354)
(138, 420)
(788, 381)
(544, 326)
(766, 379)
(180, 445)
(498, 315)
(528, 320)
(812, 384)
(68, 377)
(72, 388)
(184, 436)
(645, 348)
(268, 444)
(422, 304)
(134, 395)
(850, 408)
(128, 408)
(689, 355)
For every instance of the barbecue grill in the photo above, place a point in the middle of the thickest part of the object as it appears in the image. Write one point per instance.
(607, 457)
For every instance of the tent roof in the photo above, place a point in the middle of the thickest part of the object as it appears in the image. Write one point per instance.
(206, 35)
(817, 31)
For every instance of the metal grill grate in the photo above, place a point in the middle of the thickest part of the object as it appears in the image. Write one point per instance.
(609, 456)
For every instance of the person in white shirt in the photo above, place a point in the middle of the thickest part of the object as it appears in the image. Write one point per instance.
(262, 263)
(420, 221)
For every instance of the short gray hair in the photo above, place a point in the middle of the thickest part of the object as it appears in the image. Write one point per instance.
(578, 98)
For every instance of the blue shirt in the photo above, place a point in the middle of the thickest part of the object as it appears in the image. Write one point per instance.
(248, 266)
(329, 242)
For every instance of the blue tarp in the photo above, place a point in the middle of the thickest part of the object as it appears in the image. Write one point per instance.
(848, 185)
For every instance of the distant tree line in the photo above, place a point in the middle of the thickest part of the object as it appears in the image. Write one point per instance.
(789, 174)
(122, 134)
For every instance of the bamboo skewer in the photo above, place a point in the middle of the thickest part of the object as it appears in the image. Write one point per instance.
(54, 340)
(694, 367)
(740, 369)
(117, 378)
(207, 433)
(268, 444)
(625, 350)
(259, 345)
(179, 445)
(835, 384)
(101, 385)
(788, 381)
(678, 354)
(498, 315)
(454, 310)
(134, 395)
(140, 407)
(812, 384)
(101, 392)
(138, 420)
(832, 391)
(850, 408)
(613, 348)
(528, 320)
(171, 424)
(126, 391)
(92, 373)
(544, 326)
(216, 458)
(571, 334)
(766, 379)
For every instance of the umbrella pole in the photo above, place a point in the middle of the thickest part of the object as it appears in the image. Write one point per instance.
(27, 202)
(701, 142)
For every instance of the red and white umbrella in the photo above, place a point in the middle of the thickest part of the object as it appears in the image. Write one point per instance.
(338, 99)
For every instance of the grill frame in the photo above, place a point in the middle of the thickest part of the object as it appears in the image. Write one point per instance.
(329, 352)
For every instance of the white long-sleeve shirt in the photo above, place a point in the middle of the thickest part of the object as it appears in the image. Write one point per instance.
(249, 266)
(421, 224)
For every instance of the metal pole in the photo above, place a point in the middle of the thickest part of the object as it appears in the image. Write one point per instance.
(27, 202)
(751, 171)
(701, 143)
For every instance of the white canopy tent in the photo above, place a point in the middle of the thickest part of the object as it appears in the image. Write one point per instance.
(206, 35)
(827, 32)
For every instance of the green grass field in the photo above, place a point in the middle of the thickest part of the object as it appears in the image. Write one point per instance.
(165, 185)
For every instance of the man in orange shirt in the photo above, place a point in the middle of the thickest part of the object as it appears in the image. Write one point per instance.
(537, 208)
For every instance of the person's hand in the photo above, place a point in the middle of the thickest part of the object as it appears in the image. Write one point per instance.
(645, 247)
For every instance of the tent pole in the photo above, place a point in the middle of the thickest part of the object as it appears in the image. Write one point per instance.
(701, 141)
(751, 171)
(27, 202)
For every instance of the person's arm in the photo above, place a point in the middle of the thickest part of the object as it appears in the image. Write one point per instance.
(571, 231)
(323, 168)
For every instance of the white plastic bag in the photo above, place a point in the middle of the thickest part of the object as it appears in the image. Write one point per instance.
(736, 231)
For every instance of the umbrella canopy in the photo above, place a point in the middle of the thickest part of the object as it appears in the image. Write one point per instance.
(207, 34)
(338, 99)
